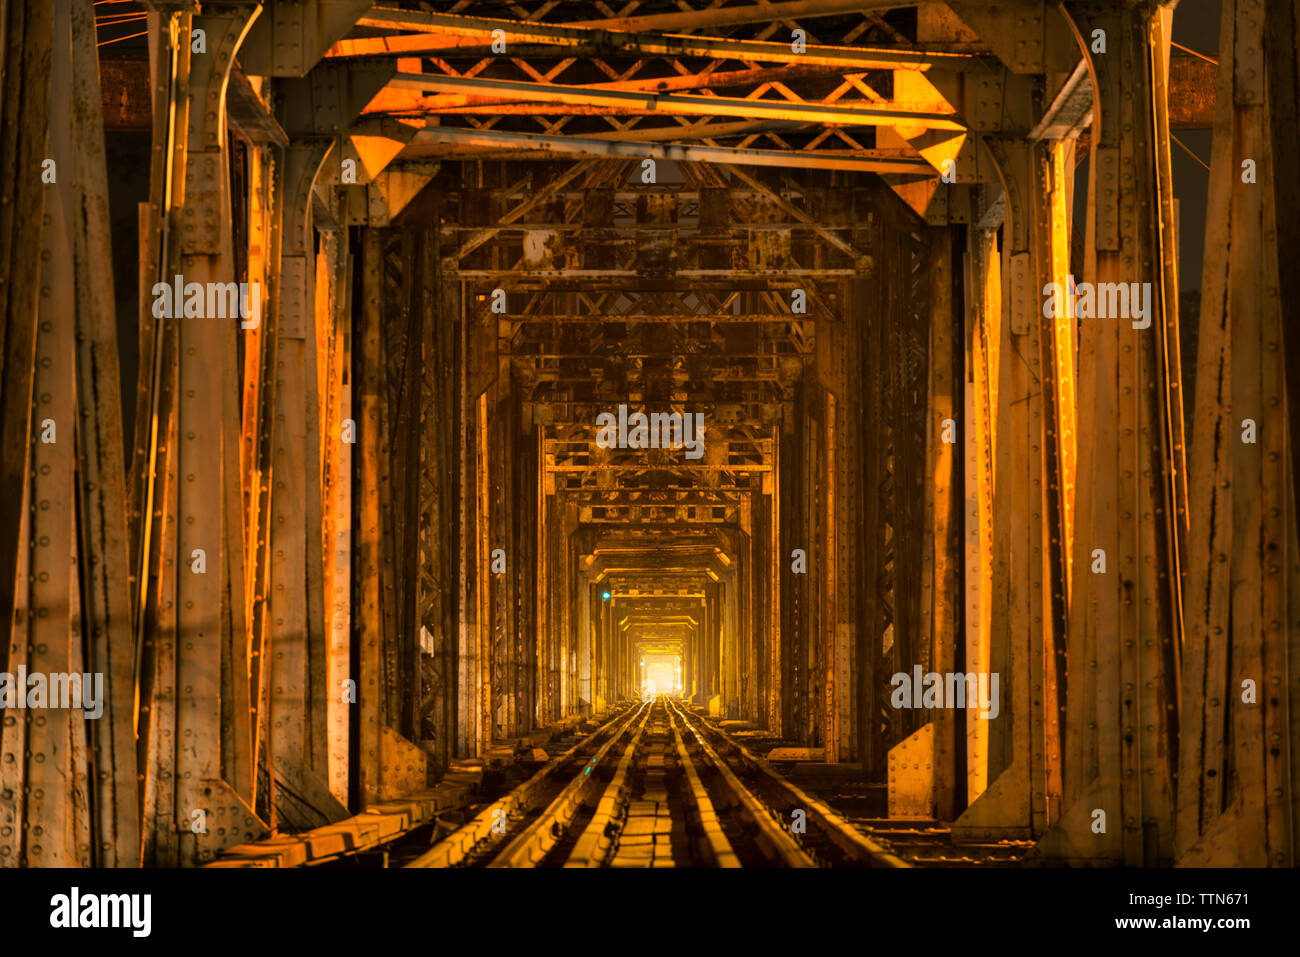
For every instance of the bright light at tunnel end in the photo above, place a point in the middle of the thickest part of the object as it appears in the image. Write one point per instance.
(661, 674)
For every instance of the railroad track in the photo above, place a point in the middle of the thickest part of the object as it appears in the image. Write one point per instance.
(656, 786)
(930, 844)
(918, 842)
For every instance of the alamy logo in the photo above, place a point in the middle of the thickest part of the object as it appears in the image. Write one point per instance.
(103, 910)
(1103, 300)
(213, 300)
(661, 430)
(947, 690)
(57, 690)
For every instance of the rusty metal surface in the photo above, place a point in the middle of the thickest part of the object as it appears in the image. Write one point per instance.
(420, 547)
(127, 98)
(1191, 92)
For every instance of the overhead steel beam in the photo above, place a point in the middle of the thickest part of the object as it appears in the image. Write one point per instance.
(701, 131)
(865, 161)
(693, 466)
(729, 16)
(862, 113)
(625, 497)
(629, 235)
(1071, 110)
(292, 38)
(517, 192)
(607, 274)
(617, 352)
(579, 38)
(401, 44)
(538, 198)
(762, 12)
(716, 80)
(568, 320)
(790, 209)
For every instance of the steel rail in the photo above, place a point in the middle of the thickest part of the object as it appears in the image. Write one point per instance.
(535, 841)
(850, 841)
(772, 839)
(723, 853)
(594, 844)
(462, 842)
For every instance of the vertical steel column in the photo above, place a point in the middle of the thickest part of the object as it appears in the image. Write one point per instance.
(258, 451)
(28, 29)
(368, 560)
(334, 328)
(483, 588)
(1028, 582)
(46, 831)
(813, 659)
(940, 613)
(154, 479)
(602, 664)
(747, 598)
(547, 566)
(984, 294)
(1238, 784)
(1125, 622)
(467, 683)
(562, 615)
(584, 642)
(211, 629)
(524, 608)
(829, 567)
(863, 308)
(499, 462)
(107, 635)
(776, 564)
(435, 600)
(298, 646)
